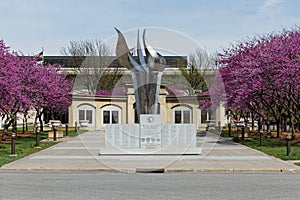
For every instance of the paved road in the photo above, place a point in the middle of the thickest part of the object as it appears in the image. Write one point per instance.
(219, 155)
(100, 185)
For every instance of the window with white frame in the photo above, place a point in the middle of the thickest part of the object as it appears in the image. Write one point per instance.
(182, 115)
(206, 114)
(86, 112)
(111, 114)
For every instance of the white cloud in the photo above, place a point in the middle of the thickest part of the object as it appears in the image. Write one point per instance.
(268, 6)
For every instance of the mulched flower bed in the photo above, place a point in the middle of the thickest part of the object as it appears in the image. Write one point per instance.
(19, 135)
(296, 140)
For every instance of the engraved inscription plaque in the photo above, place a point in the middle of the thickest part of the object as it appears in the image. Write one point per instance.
(150, 131)
(122, 135)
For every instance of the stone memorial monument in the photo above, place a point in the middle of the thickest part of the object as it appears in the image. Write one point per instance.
(150, 135)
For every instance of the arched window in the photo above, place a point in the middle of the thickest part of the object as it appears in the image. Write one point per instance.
(111, 114)
(182, 114)
(86, 112)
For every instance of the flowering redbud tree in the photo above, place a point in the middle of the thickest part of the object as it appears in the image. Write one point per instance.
(12, 89)
(262, 76)
(49, 89)
(26, 84)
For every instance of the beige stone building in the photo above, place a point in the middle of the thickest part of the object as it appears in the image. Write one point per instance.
(97, 111)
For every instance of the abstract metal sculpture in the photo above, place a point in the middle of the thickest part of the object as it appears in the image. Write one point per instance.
(146, 73)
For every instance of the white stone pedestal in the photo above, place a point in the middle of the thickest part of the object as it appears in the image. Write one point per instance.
(150, 137)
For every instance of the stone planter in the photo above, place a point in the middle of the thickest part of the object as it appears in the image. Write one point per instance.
(55, 123)
(84, 123)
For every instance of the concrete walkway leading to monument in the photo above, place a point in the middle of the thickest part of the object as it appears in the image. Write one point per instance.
(218, 155)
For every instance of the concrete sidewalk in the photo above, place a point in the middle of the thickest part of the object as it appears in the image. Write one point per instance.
(219, 155)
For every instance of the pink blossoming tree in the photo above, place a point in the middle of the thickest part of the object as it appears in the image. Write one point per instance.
(262, 76)
(26, 84)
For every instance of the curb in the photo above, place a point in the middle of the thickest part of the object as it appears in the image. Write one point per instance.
(160, 170)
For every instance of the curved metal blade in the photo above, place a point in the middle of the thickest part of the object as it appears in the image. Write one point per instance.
(122, 51)
(156, 61)
(136, 65)
(150, 52)
(140, 53)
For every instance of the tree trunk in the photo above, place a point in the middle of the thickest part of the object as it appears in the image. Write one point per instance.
(279, 128)
(23, 126)
(5, 130)
(260, 124)
(291, 124)
(293, 130)
(41, 122)
(52, 114)
(284, 126)
(39, 117)
(14, 124)
(26, 124)
(268, 127)
(252, 128)
(35, 121)
(7, 123)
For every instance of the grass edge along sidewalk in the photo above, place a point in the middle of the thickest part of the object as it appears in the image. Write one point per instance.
(25, 146)
(275, 147)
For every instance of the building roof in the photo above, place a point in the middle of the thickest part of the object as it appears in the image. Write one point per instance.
(76, 61)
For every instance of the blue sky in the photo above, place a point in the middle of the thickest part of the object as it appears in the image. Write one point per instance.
(28, 25)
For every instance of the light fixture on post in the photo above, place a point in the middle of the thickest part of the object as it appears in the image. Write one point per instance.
(37, 137)
(13, 144)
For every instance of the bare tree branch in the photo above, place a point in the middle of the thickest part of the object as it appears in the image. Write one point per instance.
(92, 60)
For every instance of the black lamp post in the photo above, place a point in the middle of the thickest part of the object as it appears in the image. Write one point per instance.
(13, 144)
(288, 144)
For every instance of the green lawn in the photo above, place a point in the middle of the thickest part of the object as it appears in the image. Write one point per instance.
(73, 133)
(25, 146)
(272, 146)
(224, 133)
